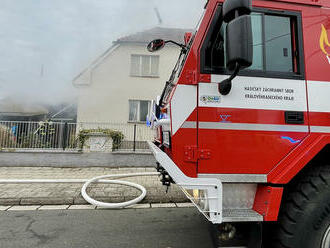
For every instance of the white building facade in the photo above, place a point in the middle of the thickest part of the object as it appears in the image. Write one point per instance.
(118, 86)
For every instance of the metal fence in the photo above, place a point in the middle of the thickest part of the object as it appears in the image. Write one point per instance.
(65, 136)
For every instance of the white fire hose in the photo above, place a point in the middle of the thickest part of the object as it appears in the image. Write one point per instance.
(98, 179)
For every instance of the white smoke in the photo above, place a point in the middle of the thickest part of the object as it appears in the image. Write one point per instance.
(44, 44)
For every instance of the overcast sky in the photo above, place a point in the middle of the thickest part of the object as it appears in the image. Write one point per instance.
(45, 43)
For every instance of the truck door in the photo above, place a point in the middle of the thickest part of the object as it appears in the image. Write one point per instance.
(264, 117)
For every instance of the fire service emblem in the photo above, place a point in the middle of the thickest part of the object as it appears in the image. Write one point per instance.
(324, 42)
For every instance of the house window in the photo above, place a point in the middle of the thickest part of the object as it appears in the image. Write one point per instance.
(144, 65)
(138, 110)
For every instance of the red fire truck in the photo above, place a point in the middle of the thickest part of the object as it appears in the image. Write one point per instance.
(243, 124)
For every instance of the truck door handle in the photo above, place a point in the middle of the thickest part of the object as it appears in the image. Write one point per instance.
(293, 117)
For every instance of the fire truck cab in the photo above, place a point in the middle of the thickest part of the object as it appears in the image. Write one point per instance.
(243, 124)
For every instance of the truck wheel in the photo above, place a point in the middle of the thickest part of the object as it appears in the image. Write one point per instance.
(304, 219)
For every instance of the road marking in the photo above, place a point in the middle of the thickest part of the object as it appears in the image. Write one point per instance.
(54, 207)
(81, 207)
(185, 205)
(141, 206)
(4, 208)
(163, 205)
(24, 208)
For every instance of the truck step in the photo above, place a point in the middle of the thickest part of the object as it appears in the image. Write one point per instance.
(241, 215)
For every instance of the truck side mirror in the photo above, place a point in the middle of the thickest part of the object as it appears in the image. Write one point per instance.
(239, 40)
(234, 8)
(156, 45)
(239, 44)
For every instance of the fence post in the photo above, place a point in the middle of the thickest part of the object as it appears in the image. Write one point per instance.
(134, 138)
(65, 135)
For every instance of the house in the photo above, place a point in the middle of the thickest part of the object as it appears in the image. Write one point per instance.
(119, 86)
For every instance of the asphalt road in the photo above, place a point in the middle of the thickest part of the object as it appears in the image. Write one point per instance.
(133, 228)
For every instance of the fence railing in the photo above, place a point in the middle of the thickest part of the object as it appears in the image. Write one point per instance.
(60, 135)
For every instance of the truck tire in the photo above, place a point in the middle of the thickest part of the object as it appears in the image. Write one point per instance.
(304, 219)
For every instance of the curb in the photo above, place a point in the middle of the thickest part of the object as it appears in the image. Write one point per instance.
(73, 201)
(91, 207)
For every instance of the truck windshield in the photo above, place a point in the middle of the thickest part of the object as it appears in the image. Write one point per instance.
(178, 67)
(174, 75)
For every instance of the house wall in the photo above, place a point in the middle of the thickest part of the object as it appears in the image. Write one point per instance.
(105, 97)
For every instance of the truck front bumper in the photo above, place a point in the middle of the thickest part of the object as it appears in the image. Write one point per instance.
(204, 193)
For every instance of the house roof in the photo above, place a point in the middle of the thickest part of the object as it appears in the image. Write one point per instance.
(175, 34)
(143, 37)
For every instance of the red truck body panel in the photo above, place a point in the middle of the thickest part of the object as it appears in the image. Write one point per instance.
(268, 202)
(279, 155)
